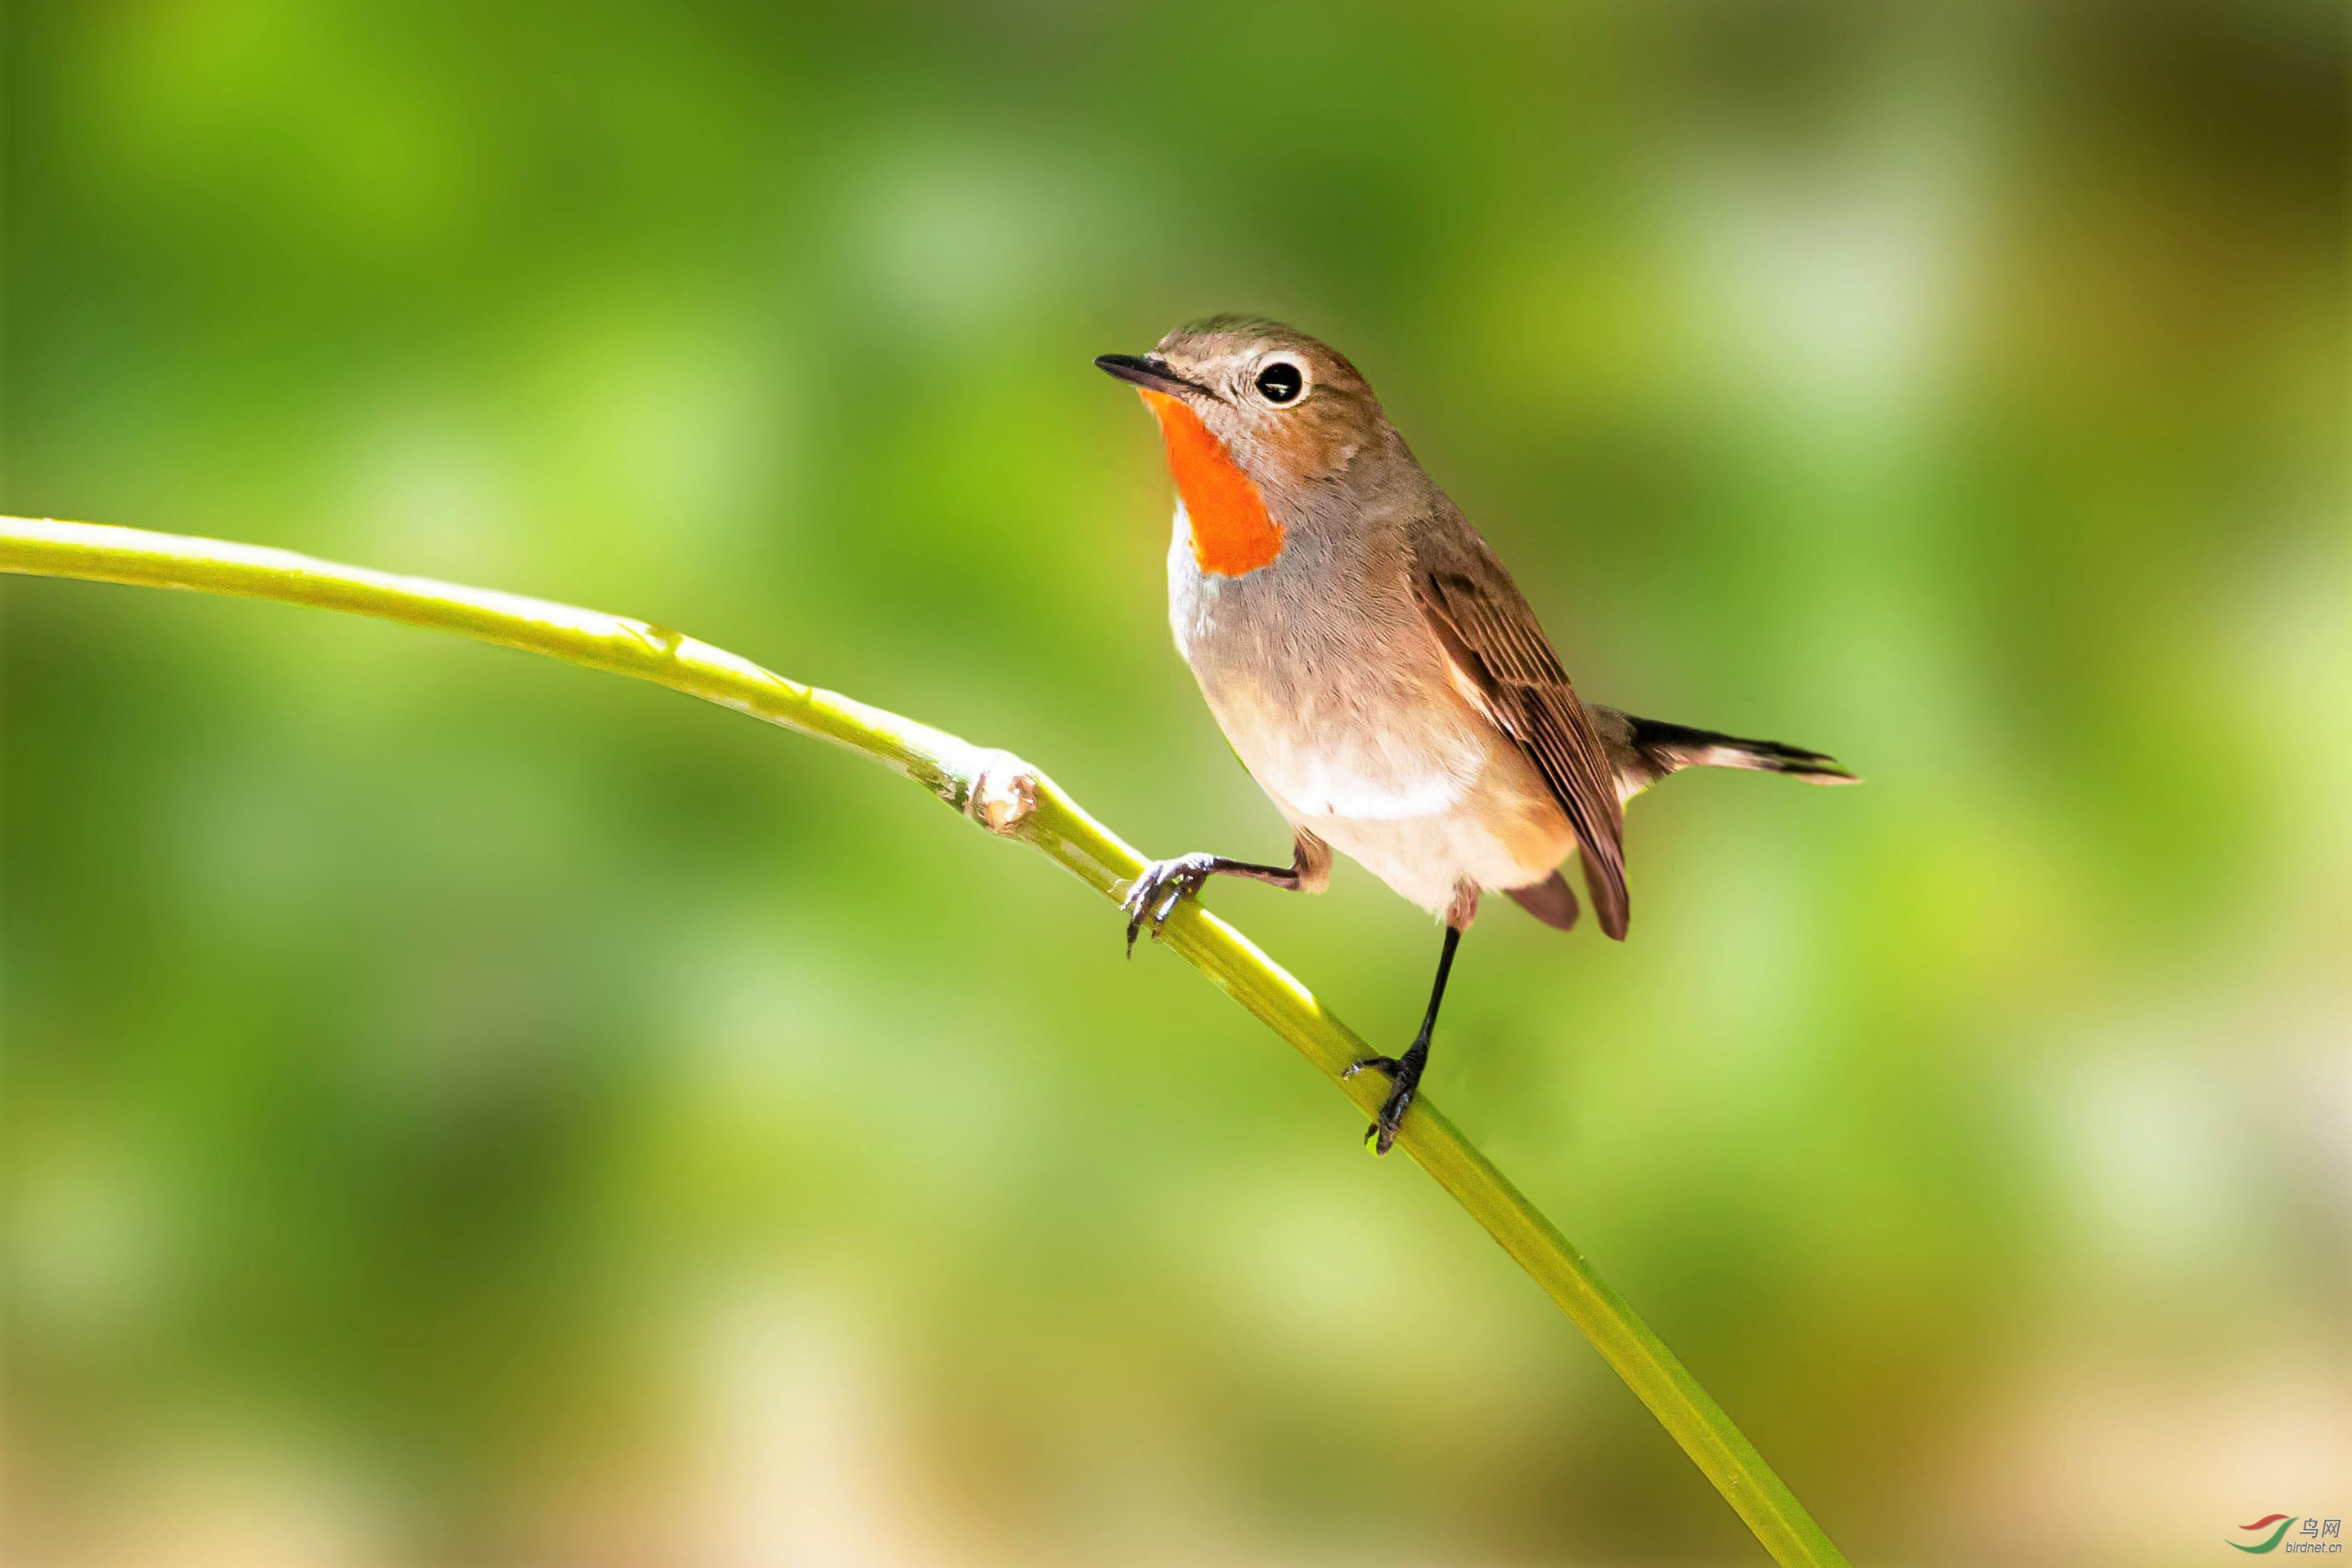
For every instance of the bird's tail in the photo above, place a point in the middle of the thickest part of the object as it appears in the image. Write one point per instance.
(1670, 748)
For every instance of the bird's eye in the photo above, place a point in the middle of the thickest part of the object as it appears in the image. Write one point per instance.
(1281, 381)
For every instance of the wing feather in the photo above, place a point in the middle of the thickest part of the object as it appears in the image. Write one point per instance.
(1499, 653)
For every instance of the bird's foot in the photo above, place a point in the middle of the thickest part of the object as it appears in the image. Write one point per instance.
(1404, 1081)
(1160, 888)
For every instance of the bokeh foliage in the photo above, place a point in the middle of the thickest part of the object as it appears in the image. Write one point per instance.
(455, 1106)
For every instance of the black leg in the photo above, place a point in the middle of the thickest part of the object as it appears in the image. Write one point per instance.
(1405, 1072)
(1165, 883)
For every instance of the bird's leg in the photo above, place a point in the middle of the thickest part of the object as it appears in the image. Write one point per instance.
(1405, 1072)
(1164, 883)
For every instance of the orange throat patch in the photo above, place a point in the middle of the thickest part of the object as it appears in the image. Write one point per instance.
(1231, 533)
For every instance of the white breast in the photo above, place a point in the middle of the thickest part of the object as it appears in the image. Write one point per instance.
(1332, 759)
(1352, 725)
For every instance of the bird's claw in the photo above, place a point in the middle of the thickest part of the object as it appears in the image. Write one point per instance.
(1157, 893)
(1404, 1079)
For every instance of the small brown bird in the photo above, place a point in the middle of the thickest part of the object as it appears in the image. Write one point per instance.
(1374, 666)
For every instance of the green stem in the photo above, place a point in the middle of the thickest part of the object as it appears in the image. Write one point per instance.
(1009, 798)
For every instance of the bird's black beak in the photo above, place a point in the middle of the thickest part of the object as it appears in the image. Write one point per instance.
(1148, 371)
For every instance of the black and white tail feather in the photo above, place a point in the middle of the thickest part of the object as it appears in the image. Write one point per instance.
(1659, 748)
(1644, 750)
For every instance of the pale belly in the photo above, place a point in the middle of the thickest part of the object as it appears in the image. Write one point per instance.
(1354, 727)
(1409, 781)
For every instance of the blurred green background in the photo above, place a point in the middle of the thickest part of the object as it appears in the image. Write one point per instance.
(458, 1109)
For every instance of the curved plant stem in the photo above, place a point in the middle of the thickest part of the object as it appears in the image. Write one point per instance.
(1010, 799)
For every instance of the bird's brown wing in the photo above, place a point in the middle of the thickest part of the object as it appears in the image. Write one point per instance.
(1491, 636)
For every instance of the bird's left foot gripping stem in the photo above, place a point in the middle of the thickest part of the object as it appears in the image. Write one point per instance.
(1404, 1081)
(1164, 883)
(1405, 1072)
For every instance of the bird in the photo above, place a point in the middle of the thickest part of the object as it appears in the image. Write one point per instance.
(1375, 668)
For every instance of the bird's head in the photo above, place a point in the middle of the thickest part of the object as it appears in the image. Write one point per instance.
(1256, 417)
